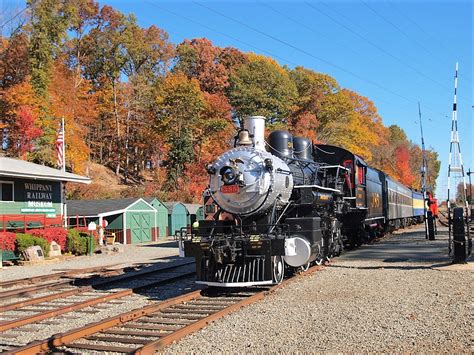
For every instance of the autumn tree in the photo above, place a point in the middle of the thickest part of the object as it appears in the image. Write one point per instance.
(49, 23)
(261, 87)
(198, 59)
(14, 66)
(22, 127)
(77, 106)
(180, 104)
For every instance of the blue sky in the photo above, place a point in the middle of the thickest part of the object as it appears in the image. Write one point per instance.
(394, 52)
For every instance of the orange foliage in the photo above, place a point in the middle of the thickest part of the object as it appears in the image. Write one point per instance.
(22, 118)
(70, 99)
(405, 176)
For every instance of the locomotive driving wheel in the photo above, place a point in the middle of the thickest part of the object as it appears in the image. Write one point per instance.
(278, 269)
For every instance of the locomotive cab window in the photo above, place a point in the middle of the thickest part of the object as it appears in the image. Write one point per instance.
(360, 175)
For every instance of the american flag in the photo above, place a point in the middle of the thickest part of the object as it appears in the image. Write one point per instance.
(60, 147)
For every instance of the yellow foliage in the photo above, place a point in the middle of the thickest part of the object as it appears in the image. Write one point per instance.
(71, 100)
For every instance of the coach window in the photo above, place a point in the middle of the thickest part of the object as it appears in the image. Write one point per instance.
(6, 191)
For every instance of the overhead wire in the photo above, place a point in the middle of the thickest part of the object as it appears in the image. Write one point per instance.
(13, 18)
(222, 33)
(178, 15)
(302, 24)
(428, 35)
(397, 28)
(375, 45)
(276, 39)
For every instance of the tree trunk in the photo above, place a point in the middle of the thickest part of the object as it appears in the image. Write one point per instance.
(126, 146)
(117, 126)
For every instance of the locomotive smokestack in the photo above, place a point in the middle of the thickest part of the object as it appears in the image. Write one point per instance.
(256, 127)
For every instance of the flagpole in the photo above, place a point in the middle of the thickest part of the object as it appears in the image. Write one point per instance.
(63, 168)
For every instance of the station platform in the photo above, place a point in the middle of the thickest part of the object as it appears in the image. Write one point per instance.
(409, 246)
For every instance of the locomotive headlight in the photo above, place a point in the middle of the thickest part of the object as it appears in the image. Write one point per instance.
(229, 175)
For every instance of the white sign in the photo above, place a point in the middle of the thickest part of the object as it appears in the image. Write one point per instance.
(92, 226)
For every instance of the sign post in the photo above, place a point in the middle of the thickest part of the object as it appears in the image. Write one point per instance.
(91, 227)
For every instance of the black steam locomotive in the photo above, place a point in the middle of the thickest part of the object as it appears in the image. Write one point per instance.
(282, 205)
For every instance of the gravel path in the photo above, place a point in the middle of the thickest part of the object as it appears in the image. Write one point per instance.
(134, 253)
(397, 295)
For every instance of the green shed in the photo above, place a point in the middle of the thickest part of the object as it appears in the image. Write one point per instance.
(195, 212)
(133, 220)
(177, 216)
(161, 216)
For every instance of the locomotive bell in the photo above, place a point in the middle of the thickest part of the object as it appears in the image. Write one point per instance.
(244, 138)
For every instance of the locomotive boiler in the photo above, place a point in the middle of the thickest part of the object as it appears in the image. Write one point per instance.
(269, 209)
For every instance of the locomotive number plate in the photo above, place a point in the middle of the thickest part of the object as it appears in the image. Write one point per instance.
(230, 189)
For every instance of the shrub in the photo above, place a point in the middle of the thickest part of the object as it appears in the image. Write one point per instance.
(78, 242)
(24, 241)
(7, 241)
(57, 234)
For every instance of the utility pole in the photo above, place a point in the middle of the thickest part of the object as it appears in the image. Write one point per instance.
(423, 172)
(469, 172)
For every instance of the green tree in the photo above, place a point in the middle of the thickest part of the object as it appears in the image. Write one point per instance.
(49, 23)
(181, 152)
(180, 104)
(261, 87)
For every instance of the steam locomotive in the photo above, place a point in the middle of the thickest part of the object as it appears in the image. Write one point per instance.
(280, 205)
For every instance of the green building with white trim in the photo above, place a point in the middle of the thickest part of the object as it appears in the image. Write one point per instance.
(133, 220)
(32, 195)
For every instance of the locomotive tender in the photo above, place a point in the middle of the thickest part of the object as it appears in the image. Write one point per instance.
(282, 204)
(377, 202)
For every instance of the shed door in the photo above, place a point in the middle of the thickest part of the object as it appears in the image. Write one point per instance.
(146, 227)
(140, 227)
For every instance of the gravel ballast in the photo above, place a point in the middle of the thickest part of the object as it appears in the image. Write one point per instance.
(398, 295)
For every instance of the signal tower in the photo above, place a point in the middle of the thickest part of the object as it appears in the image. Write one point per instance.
(455, 167)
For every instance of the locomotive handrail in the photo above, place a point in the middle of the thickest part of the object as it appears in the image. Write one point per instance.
(334, 166)
(316, 187)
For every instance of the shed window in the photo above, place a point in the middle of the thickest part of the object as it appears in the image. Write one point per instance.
(6, 191)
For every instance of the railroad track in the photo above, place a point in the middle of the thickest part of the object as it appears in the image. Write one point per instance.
(145, 330)
(72, 299)
(58, 275)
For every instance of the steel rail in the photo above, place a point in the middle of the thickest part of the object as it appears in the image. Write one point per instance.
(117, 279)
(87, 303)
(55, 276)
(65, 339)
(28, 290)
